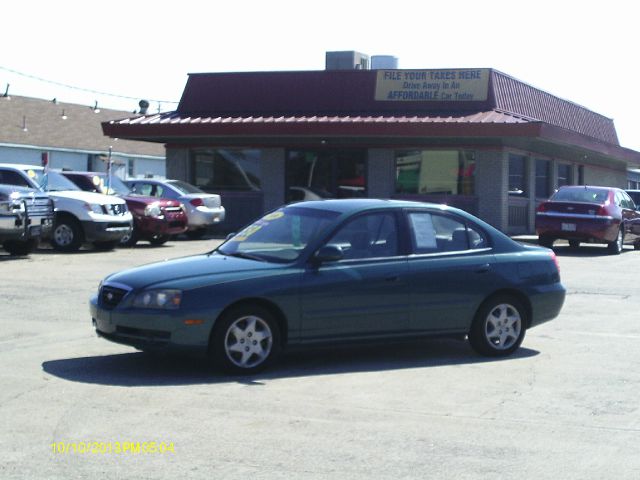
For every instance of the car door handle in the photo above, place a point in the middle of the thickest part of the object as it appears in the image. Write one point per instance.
(483, 268)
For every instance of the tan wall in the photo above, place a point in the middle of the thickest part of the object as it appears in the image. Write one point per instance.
(605, 177)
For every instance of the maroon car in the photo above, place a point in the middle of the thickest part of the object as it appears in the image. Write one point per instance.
(154, 219)
(589, 214)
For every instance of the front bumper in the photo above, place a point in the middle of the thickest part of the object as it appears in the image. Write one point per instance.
(113, 230)
(20, 227)
(152, 329)
(169, 225)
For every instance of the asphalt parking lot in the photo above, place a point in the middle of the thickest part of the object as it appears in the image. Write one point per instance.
(75, 406)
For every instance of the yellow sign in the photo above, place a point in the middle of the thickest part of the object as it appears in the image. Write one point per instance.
(457, 85)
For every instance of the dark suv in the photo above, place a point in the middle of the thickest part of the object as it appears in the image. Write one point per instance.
(154, 219)
(25, 215)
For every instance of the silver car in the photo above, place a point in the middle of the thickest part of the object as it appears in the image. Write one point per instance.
(203, 209)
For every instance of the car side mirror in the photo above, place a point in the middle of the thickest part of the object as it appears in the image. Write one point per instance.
(328, 253)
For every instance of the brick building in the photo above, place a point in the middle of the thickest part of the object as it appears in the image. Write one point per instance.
(473, 138)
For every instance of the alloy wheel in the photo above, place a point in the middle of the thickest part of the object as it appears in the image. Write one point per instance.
(248, 341)
(503, 326)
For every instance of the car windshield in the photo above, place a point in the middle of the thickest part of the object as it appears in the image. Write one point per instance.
(279, 236)
(582, 194)
(115, 185)
(184, 187)
(51, 181)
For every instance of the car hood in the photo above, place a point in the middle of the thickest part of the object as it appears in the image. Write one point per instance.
(144, 200)
(89, 197)
(179, 272)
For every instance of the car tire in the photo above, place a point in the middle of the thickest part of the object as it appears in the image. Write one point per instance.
(130, 239)
(574, 244)
(499, 326)
(158, 239)
(615, 247)
(245, 340)
(105, 246)
(20, 249)
(66, 235)
(545, 241)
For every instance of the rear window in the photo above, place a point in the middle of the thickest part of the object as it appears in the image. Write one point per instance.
(586, 194)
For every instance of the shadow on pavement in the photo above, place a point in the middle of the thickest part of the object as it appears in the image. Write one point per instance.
(143, 370)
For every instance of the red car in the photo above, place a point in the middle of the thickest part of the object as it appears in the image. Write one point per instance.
(588, 214)
(154, 219)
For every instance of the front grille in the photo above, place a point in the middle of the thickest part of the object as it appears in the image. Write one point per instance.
(117, 209)
(110, 297)
(145, 333)
(39, 207)
(172, 210)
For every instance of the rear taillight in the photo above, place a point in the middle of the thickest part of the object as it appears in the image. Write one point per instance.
(542, 207)
(602, 211)
(196, 202)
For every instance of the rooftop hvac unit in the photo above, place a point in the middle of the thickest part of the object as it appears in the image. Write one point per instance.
(384, 62)
(348, 60)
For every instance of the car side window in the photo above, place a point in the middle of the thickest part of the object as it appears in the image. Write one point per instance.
(10, 177)
(368, 236)
(143, 189)
(158, 192)
(627, 202)
(436, 233)
(169, 192)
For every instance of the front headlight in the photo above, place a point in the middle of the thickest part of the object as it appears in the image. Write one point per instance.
(153, 210)
(162, 298)
(94, 207)
(11, 203)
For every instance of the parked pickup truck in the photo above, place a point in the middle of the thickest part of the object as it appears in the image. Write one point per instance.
(25, 215)
(79, 217)
(154, 219)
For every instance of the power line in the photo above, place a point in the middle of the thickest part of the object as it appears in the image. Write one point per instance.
(72, 87)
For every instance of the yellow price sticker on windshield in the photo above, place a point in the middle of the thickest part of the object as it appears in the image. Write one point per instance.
(273, 216)
(31, 174)
(246, 233)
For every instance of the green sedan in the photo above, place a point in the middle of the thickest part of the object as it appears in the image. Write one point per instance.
(333, 271)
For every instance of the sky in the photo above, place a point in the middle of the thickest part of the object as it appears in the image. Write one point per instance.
(582, 51)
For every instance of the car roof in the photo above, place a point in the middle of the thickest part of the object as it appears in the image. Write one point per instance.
(86, 174)
(585, 187)
(359, 204)
(21, 166)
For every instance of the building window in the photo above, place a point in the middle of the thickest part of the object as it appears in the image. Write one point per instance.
(131, 168)
(217, 170)
(317, 174)
(517, 175)
(580, 174)
(543, 178)
(564, 174)
(435, 172)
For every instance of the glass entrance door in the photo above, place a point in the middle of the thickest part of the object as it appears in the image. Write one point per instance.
(318, 174)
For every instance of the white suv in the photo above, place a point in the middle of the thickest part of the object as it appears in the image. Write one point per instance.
(79, 216)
